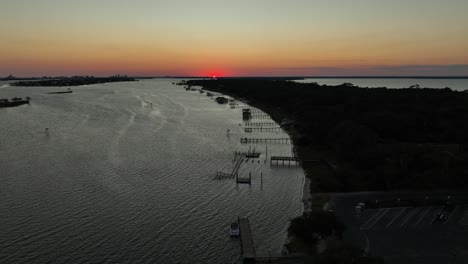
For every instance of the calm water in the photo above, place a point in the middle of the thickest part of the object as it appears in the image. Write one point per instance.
(455, 84)
(117, 180)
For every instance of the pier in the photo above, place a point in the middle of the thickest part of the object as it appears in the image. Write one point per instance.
(262, 129)
(264, 140)
(254, 110)
(235, 171)
(250, 154)
(281, 160)
(247, 246)
(257, 124)
(246, 114)
(244, 180)
(260, 116)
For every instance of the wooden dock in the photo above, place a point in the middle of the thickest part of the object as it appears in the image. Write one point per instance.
(260, 116)
(246, 114)
(222, 175)
(282, 160)
(257, 124)
(244, 180)
(262, 129)
(264, 140)
(253, 110)
(247, 245)
(235, 171)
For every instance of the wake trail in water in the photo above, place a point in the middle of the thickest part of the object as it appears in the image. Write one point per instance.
(115, 158)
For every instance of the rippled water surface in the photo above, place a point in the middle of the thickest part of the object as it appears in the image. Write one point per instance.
(125, 175)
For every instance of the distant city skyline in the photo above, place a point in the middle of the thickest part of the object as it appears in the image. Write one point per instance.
(234, 38)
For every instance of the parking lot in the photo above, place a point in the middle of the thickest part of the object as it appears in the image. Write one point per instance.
(407, 234)
(411, 217)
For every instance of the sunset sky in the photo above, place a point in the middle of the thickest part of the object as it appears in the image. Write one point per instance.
(233, 38)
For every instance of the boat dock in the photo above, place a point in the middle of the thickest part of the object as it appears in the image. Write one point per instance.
(248, 250)
(244, 180)
(257, 124)
(254, 110)
(260, 116)
(264, 140)
(262, 129)
(283, 160)
(234, 173)
(247, 246)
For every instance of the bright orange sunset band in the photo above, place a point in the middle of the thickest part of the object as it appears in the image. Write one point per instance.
(255, 38)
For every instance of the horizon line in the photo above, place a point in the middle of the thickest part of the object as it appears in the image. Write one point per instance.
(260, 76)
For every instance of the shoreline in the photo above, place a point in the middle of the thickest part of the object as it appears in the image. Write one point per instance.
(72, 81)
(305, 189)
(345, 135)
(277, 116)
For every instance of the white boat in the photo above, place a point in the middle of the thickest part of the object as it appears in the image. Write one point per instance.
(234, 229)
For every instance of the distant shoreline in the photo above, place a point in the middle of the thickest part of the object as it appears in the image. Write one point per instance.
(313, 77)
(72, 81)
(263, 77)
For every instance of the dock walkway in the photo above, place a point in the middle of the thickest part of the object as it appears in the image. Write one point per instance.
(264, 140)
(262, 129)
(235, 171)
(281, 160)
(257, 124)
(247, 246)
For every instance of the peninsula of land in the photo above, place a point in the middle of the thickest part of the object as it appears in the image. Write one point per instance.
(366, 139)
(17, 101)
(73, 81)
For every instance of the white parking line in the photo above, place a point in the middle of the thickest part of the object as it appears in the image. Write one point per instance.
(435, 217)
(423, 215)
(372, 218)
(391, 222)
(409, 215)
(451, 214)
(378, 218)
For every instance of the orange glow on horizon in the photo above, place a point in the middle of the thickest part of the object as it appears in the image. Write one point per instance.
(277, 39)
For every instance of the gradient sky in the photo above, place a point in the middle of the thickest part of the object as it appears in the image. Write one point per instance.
(242, 37)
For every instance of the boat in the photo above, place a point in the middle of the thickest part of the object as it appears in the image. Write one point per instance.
(234, 230)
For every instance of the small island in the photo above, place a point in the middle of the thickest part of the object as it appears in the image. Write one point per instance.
(73, 81)
(16, 101)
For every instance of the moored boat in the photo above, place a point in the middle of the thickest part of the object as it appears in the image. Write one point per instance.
(234, 229)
